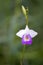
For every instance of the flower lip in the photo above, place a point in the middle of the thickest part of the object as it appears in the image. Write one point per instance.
(26, 39)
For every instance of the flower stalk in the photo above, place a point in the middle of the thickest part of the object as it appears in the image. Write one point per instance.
(22, 55)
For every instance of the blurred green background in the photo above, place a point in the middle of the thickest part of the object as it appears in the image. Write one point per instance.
(11, 21)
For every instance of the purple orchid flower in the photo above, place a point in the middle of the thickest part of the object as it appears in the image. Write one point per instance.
(26, 35)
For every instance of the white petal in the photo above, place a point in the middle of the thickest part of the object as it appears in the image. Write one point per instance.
(20, 33)
(27, 29)
(32, 33)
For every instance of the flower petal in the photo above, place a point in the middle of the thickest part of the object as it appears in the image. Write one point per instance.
(20, 33)
(32, 33)
(27, 29)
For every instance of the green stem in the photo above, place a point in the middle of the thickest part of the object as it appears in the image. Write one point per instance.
(22, 55)
(26, 19)
(23, 51)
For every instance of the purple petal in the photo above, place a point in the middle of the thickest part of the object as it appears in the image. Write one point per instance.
(26, 39)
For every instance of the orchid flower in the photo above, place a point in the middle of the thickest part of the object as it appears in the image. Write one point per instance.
(26, 35)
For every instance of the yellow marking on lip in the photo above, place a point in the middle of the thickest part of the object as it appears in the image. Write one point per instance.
(26, 38)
